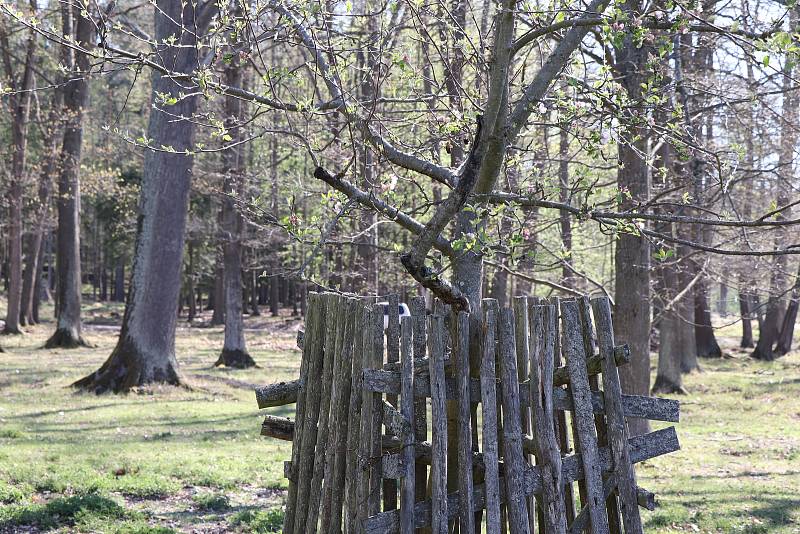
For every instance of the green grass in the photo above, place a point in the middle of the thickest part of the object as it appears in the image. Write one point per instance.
(166, 457)
(171, 459)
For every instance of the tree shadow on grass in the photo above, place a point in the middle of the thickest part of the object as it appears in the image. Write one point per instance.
(62, 511)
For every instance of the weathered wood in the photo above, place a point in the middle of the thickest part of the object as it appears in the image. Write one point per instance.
(543, 323)
(589, 344)
(652, 408)
(407, 493)
(583, 416)
(646, 499)
(313, 385)
(394, 422)
(512, 429)
(622, 356)
(392, 356)
(373, 501)
(352, 469)
(641, 448)
(489, 413)
(278, 394)
(522, 333)
(332, 342)
(278, 428)
(438, 427)
(461, 360)
(313, 318)
(344, 420)
(419, 314)
(365, 424)
(615, 417)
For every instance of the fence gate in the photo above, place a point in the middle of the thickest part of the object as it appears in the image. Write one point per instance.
(422, 426)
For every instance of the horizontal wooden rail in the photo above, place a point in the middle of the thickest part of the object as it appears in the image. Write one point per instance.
(642, 448)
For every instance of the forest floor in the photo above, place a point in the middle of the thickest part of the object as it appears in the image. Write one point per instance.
(171, 459)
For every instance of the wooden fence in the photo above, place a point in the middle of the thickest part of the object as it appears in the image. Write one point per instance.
(424, 426)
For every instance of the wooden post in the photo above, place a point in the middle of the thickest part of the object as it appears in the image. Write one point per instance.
(489, 413)
(420, 406)
(365, 444)
(376, 362)
(438, 426)
(313, 321)
(305, 461)
(332, 342)
(583, 416)
(407, 495)
(522, 332)
(353, 469)
(514, 463)
(615, 417)
(392, 356)
(461, 363)
(544, 331)
(343, 419)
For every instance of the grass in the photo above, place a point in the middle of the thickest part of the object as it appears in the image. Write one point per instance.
(167, 459)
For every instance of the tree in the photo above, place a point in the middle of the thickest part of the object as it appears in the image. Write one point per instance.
(234, 350)
(21, 85)
(68, 253)
(145, 351)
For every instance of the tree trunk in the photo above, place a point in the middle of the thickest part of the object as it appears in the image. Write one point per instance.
(40, 289)
(19, 100)
(632, 254)
(234, 350)
(274, 296)
(784, 344)
(707, 346)
(253, 277)
(119, 281)
(68, 251)
(191, 290)
(145, 351)
(218, 316)
(745, 311)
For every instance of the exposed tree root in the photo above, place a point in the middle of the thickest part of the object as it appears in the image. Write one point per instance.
(64, 338)
(128, 367)
(237, 359)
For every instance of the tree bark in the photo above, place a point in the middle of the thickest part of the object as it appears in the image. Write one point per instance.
(784, 344)
(68, 251)
(707, 346)
(19, 100)
(234, 349)
(218, 315)
(145, 351)
(632, 254)
(745, 311)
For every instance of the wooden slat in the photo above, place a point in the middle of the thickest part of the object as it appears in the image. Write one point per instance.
(344, 419)
(642, 448)
(615, 415)
(418, 312)
(512, 429)
(438, 427)
(365, 443)
(590, 343)
(312, 318)
(489, 413)
(392, 356)
(461, 360)
(583, 416)
(522, 334)
(373, 501)
(332, 342)
(305, 460)
(544, 328)
(278, 394)
(407, 493)
(352, 469)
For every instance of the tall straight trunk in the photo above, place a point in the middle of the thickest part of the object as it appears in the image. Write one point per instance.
(20, 103)
(274, 296)
(722, 302)
(191, 290)
(776, 306)
(234, 349)
(119, 280)
(632, 254)
(36, 238)
(253, 277)
(707, 346)
(40, 289)
(68, 251)
(145, 351)
(218, 300)
(784, 344)
(745, 312)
